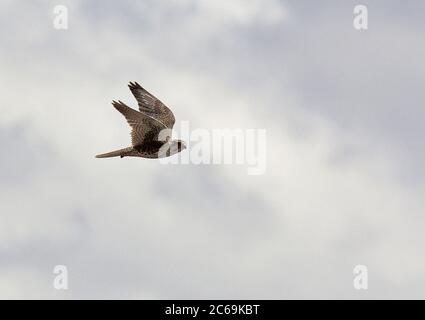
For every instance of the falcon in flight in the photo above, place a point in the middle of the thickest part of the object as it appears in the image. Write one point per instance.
(150, 127)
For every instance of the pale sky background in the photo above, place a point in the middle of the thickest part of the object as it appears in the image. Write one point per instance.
(344, 113)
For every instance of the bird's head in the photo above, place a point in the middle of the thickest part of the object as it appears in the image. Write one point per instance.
(176, 146)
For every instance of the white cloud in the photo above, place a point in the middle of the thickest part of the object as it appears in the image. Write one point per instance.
(244, 12)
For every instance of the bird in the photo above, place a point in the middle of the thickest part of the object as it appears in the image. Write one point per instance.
(151, 127)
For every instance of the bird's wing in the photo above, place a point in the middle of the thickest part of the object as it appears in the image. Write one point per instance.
(152, 106)
(143, 126)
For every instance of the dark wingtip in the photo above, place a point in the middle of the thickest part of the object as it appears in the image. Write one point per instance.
(134, 85)
(116, 104)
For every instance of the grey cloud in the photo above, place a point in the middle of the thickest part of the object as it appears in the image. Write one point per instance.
(24, 155)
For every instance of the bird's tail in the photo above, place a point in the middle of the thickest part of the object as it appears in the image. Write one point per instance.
(116, 153)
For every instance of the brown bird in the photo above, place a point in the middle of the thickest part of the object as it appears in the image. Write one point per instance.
(151, 127)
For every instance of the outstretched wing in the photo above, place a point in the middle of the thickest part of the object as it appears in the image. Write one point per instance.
(143, 126)
(152, 106)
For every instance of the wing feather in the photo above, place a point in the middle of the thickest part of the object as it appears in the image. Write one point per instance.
(142, 126)
(152, 106)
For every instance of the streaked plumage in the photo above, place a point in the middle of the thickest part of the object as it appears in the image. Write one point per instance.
(150, 127)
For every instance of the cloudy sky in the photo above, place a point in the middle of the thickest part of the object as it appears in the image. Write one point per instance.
(344, 184)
